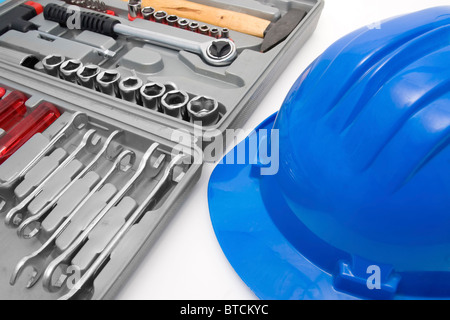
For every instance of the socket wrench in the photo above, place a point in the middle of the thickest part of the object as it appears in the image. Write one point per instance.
(38, 259)
(30, 227)
(218, 52)
(148, 204)
(151, 94)
(147, 168)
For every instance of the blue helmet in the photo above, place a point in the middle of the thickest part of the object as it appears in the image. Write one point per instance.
(360, 206)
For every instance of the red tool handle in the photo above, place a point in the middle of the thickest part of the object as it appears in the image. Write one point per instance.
(12, 109)
(2, 92)
(36, 122)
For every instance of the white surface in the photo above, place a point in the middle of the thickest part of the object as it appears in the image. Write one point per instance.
(187, 262)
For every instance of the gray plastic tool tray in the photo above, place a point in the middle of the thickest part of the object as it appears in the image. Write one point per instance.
(238, 88)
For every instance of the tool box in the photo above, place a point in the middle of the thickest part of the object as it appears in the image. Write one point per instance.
(103, 132)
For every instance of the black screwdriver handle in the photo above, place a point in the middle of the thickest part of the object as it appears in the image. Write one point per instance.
(90, 21)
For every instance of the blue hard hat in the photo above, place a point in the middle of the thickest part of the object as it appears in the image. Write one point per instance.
(360, 204)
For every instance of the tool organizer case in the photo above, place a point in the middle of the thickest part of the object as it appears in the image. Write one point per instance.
(238, 88)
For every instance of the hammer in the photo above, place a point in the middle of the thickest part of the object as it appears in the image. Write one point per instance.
(272, 32)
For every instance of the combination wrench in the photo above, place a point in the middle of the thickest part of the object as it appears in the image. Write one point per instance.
(30, 227)
(16, 215)
(149, 203)
(147, 168)
(218, 52)
(38, 259)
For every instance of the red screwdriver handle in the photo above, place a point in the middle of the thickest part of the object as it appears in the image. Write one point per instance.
(2, 92)
(35, 122)
(12, 109)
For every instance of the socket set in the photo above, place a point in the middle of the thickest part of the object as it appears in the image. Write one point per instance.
(94, 97)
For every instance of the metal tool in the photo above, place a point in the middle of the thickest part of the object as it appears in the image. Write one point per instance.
(30, 227)
(170, 177)
(52, 63)
(204, 29)
(160, 16)
(16, 215)
(151, 94)
(78, 121)
(129, 89)
(18, 17)
(225, 33)
(215, 32)
(147, 168)
(68, 70)
(147, 13)
(108, 82)
(38, 259)
(183, 23)
(193, 26)
(87, 76)
(134, 8)
(174, 104)
(218, 52)
(204, 109)
(172, 20)
(95, 5)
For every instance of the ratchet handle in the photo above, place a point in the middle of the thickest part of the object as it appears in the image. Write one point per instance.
(90, 21)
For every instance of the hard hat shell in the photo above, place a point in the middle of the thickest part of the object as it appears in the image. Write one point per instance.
(360, 206)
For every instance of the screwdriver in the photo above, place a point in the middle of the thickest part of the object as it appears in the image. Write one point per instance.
(2, 92)
(12, 109)
(35, 122)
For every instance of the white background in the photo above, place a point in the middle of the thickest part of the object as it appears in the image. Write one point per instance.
(187, 261)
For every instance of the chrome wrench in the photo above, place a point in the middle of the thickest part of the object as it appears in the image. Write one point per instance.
(218, 52)
(147, 204)
(78, 121)
(38, 259)
(26, 230)
(147, 167)
(16, 214)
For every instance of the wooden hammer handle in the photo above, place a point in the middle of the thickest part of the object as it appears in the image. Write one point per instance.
(232, 20)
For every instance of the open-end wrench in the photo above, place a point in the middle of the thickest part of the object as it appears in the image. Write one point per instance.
(218, 52)
(85, 283)
(38, 259)
(31, 226)
(147, 168)
(78, 121)
(16, 215)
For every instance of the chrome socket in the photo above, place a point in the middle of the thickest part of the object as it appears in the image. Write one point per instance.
(87, 76)
(204, 109)
(68, 70)
(204, 29)
(129, 89)
(160, 16)
(174, 104)
(134, 8)
(183, 23)
(225, 33)
(172, 20)
(52, 63)
(147, 13)
(193, 26)
(151, 94)
(215, 32)
(108, 82)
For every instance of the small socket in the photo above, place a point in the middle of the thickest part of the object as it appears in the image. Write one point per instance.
(160, 16)
(52, 63)
(172, 20)
(183, 23)
(204, 109)
(174, 104)
(215, 32)
(151, 94)
(130, 89)
(225, 33)
(134, 8)
(204, 29)
(87, 75)
(193, 26)
(108, 82)
(68, 70)
(147, 13)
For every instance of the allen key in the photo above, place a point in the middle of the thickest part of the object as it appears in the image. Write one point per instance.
(78, 121)
(146, 167)
(16, 214)
(38, 259)
(148, 204)
(26, 230)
